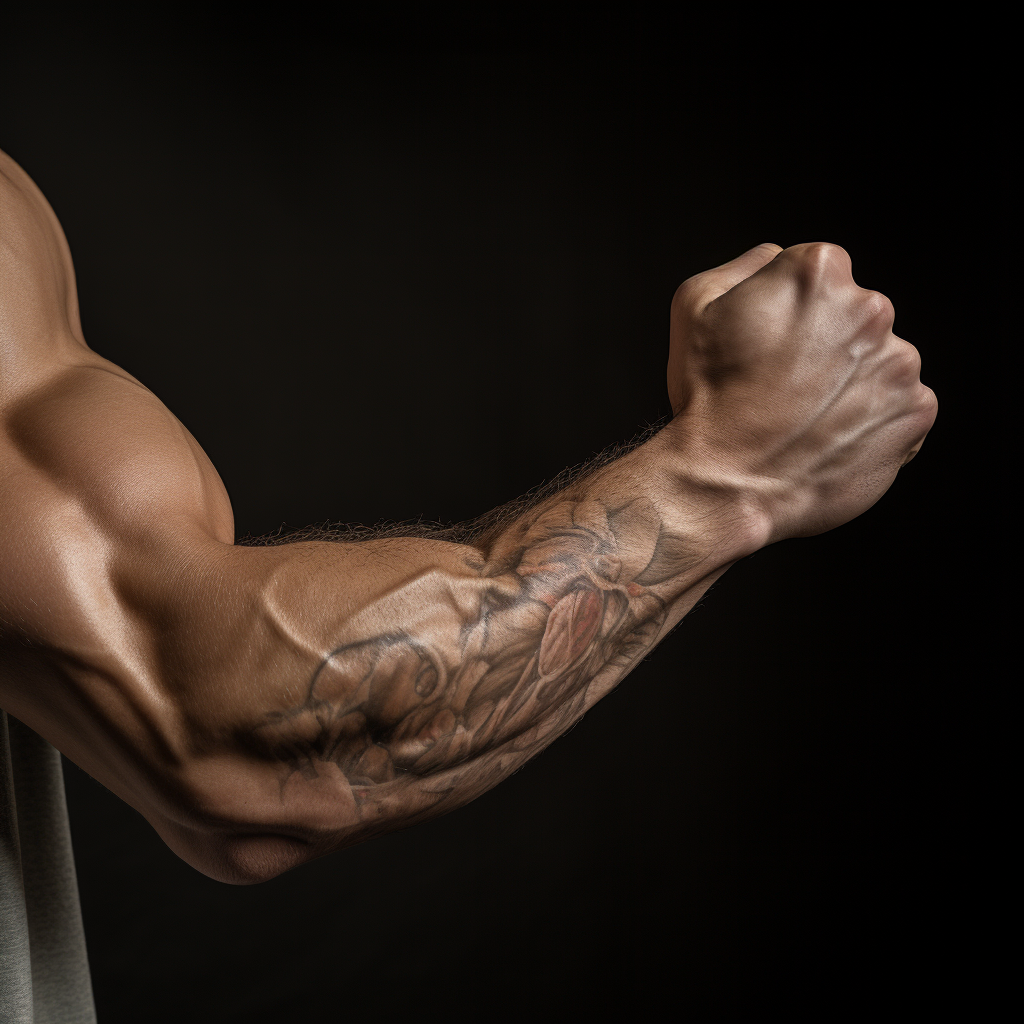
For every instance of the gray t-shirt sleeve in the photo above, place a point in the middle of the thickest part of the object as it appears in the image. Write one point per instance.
(44, 970)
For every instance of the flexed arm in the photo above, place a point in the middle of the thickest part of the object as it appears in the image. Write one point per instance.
(349, 689)
(266, 705)
(451, 679)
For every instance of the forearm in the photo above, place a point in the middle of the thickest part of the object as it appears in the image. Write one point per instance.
(458, 663)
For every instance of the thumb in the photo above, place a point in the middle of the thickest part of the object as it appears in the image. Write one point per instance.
(717, 281)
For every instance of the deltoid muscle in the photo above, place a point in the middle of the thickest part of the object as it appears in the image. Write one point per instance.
(495, 664)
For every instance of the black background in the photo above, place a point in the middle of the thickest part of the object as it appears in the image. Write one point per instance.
(382, 272)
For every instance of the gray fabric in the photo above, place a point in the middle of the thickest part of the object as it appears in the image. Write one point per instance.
(44, 972)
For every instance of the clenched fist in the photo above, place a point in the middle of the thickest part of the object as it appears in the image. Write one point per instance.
(790, 389)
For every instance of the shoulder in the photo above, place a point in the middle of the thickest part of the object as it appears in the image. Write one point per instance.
(39, 321)
(96, 478)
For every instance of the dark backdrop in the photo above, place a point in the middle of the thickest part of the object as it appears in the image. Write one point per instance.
(386, 276)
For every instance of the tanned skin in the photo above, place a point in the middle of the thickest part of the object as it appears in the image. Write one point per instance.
(264, 705)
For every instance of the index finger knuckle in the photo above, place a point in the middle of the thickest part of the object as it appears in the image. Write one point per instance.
(878, 310)
(818, 261)
(687, 295)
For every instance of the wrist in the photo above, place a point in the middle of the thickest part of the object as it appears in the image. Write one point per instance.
(704, 498)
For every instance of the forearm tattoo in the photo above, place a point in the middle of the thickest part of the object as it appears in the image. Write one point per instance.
(482, 671)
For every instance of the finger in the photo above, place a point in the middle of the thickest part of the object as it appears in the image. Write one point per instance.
(719, 280)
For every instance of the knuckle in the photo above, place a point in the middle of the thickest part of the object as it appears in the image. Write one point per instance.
(824, 253)
(925, 409)
(913, 360)
(906, 361)
(928, 401)
(818, 260)
(878, 310)
(825, 250)
(686, 294)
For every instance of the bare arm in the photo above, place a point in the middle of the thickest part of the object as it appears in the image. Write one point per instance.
(266, 705)
(263, 706)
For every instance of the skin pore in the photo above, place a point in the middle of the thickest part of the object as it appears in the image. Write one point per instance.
(263, 705)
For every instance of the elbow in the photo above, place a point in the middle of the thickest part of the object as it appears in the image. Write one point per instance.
(228, 821)
(249, 859)
(235, 857)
